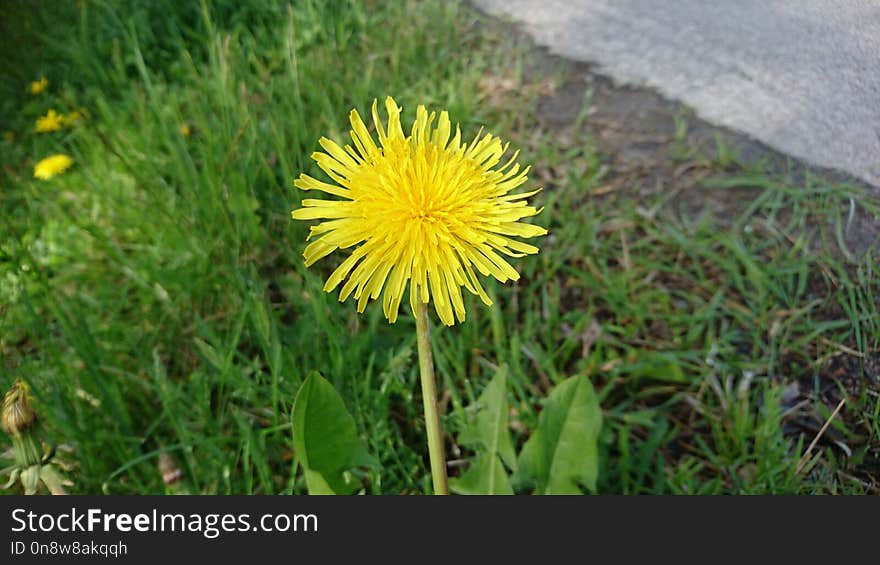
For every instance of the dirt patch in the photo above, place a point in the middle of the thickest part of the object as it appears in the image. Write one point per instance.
(656, 145)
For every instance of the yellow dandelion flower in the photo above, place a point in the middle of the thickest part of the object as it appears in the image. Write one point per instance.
(38, 86)
(424, 211)
(185, 130)
(50, 122)
(51, 166)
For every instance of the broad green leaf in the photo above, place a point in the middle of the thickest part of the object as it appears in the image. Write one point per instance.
(486, 475)
(325, 438)
(562, 453)
(488, 434)
(316, 484)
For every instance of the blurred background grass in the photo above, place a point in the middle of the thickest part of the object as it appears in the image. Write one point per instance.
(155, 297)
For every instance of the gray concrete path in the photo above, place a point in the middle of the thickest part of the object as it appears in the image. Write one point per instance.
(802, 76)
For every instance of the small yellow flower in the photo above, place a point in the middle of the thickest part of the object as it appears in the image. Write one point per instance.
(50, 122)
(51, 166)
(185, 130)
(424, 211)
(38, 86)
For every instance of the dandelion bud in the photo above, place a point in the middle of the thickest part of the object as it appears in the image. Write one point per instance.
(18, 415)
(34, 462)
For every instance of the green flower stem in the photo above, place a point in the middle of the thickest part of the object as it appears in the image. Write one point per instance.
(429, 398)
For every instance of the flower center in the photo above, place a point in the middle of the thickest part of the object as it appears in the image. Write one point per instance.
(426, 215)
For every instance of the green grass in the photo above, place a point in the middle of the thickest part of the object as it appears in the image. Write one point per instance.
(156, 299)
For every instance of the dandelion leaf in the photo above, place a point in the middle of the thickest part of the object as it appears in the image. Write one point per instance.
(562, 454)
(487, 433)
(325, 439)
